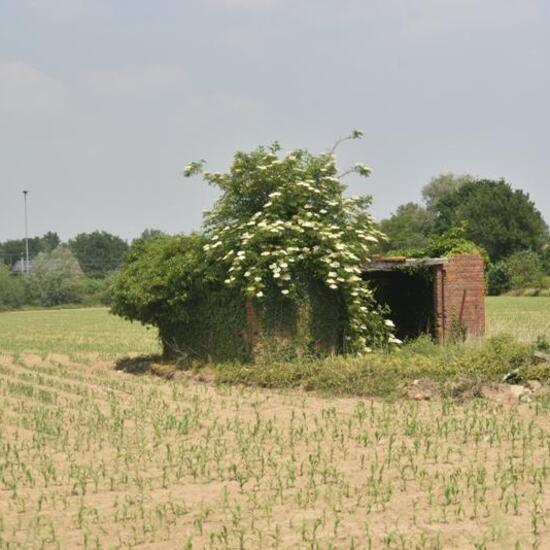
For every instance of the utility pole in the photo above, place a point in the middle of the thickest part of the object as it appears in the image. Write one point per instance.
(26, 235)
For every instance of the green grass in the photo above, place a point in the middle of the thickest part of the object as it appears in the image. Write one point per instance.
(69, 331)
(94, 330)
(525, 318)
(454, 369)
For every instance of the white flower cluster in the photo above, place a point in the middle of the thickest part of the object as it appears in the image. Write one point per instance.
(303, 225)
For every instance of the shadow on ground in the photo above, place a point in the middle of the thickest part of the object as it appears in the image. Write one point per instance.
(146, 364)
(156, 365)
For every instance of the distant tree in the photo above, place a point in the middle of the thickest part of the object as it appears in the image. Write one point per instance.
(498, 278)
(14, 249)
(498, 218)
(98, 253)
(521, 270)
(50, 241)
(55, 278)
(409, 227)
(525, 269)
(150, 233)
(442, 186)
(12, 289)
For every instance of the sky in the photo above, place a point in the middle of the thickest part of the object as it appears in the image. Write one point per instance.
(103, 102)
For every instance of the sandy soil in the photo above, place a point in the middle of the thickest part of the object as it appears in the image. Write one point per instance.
(92, 456)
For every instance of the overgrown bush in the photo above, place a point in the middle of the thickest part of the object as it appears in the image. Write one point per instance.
(283, 243)
(452, 242)
(168, 282)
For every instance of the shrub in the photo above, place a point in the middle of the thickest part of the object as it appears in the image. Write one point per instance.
(525, 269)
(97, 291)
(168, 282)
(521, 273)
(498, 279)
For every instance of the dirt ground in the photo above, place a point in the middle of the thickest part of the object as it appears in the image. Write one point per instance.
(93, 456)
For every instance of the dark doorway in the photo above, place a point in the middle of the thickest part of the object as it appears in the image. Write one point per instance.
(410, 298)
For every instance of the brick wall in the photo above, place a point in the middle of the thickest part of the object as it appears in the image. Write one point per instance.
(459, 287)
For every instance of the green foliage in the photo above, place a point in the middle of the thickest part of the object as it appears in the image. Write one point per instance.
(98, 253)
(150, 233)
(498, 218)
(97, 291)
(498, 278)
(408, 228)
(521, 270)
(545, 257)
(55, 278)
(442, 186)
(168, 282)
(525, 268)
(12, 289)
(384, 374)
(282, 226)
(451, 243)
(154, 284)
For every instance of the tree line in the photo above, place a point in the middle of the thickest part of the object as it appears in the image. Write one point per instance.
(502, 221)
(77, 271)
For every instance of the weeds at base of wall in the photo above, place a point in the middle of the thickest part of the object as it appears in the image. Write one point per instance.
(451, 366)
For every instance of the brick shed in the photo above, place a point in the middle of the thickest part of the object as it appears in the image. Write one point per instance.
(439, 296)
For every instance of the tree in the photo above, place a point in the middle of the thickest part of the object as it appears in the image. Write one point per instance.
(148, 234)
(98, 253)
(442, 186)
(520, 270)
(498, 218)
(545, 257)
(525, 268)
(55, 278)
(50, 241)
(12, 289)
(409, 227)
(13, 250)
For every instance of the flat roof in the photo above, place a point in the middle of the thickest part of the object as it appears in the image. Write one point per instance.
(391, 263)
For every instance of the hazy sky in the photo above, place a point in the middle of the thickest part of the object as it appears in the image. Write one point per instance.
(102, 102)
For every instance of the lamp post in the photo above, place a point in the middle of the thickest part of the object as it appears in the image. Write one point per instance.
(26, 235)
